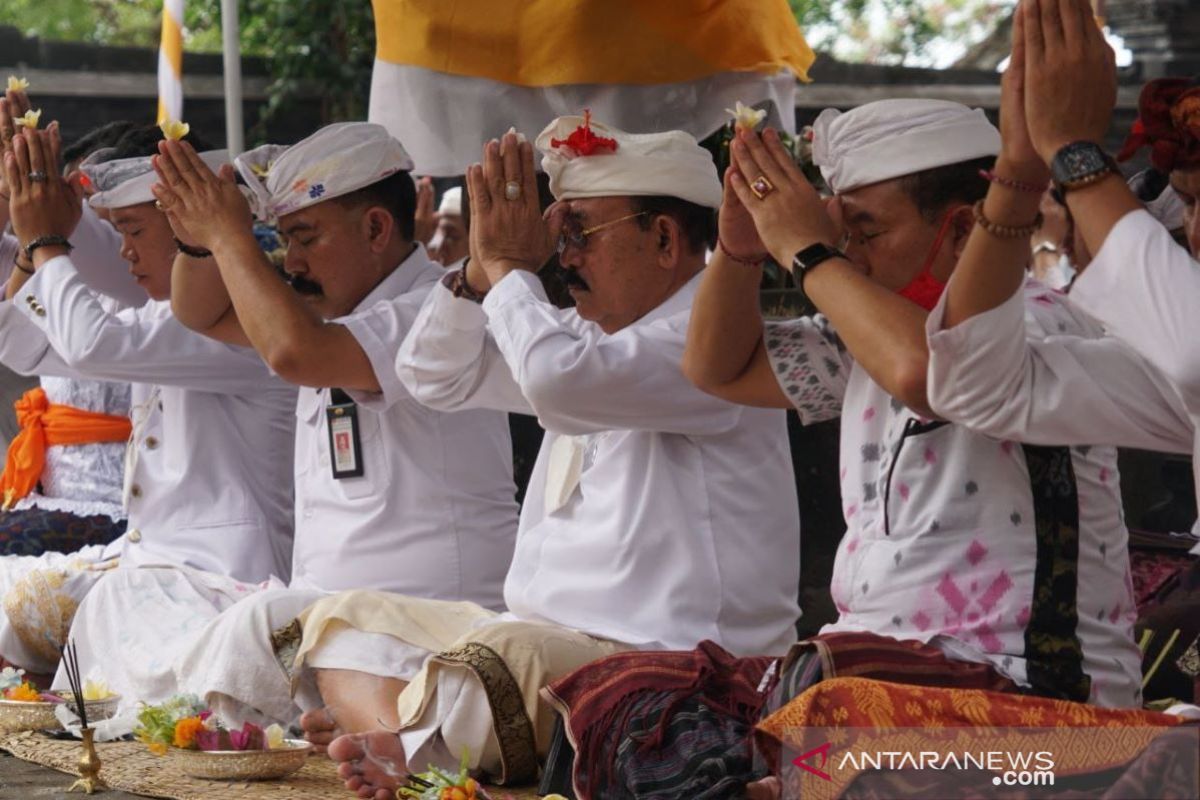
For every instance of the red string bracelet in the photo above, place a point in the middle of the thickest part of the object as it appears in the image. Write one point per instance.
(753, 261)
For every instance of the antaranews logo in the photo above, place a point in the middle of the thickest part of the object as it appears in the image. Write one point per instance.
(801, 761)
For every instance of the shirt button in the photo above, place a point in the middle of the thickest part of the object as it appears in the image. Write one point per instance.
(30, 299)
(134, 536)
(151, 442)
(135, 491)
(41, 312)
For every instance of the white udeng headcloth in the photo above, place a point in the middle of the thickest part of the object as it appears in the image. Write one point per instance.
(891, 138)
(451, 202)
(644, 164)
(336, 160)
(126, 181)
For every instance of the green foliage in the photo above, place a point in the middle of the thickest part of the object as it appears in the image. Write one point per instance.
(909, 32)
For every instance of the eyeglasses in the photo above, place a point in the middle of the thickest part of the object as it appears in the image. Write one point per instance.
(575, 235)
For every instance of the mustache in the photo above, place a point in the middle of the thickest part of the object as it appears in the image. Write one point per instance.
(571, 278)
(304, 286)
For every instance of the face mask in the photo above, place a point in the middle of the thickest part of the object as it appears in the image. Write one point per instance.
(925, 290)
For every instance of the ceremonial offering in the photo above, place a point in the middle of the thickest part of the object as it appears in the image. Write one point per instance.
(438, 784)
(24, 708)
(174, 129)
(745, 116)
(16, 84)
(201, 746)
(29, 120)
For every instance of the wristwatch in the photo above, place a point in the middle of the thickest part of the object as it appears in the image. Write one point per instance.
(1080, 164)
(812, 257)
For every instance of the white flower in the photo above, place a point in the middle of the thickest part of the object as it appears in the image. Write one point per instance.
(10, 677)
(96, 690)
(16, 84)
(274, 737)
(746, 117)
(174, 129)
(30, 120)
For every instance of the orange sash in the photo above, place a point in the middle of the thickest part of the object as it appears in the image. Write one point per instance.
(44, 424)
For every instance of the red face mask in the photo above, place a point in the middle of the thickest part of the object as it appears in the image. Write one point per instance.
(925, 290)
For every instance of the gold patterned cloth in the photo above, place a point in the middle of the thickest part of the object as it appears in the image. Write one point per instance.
(877, 716)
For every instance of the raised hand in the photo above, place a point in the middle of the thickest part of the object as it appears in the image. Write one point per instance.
(736, 234)
(14, 104)
(788, 213)
(201, 206)
(425, 221)
(42, 203)
(1070, 75)
(1018, 158)
(508, 231)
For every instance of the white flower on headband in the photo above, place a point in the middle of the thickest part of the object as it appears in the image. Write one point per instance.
(16, 84)
(746, 117)
(30, 120)
(173, 129)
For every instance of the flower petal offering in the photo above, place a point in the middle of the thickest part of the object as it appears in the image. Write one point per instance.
(202, 746)
(16, 84)
(746, 117)
(29, 120)
(174, 129)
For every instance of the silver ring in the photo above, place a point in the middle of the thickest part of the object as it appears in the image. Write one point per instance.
(159, 205)
(37, 177)
(512, 190)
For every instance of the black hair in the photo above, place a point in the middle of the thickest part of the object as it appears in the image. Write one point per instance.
(934, 190)
(106, 135)
(396, 193)
(699, 223)
(142, 141)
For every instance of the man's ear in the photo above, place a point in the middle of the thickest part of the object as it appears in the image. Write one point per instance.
(962, 222)
(670, 240)
(378, 226)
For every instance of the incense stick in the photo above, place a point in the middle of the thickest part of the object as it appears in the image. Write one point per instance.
(70, 658)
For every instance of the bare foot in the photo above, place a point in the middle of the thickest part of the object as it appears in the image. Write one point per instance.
(766, 789)
(320, 728)
(372, 764)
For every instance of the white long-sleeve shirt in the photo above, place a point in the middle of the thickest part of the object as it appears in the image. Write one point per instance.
(209, 480)
(992, 550)
(434, 513)
(656, 515)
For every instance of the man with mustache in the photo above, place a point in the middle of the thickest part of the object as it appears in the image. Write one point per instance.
(390, 495)
(656, 516)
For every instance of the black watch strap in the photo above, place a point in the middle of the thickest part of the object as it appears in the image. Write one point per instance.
(52, 240)
(812, 257)
(1081, 164)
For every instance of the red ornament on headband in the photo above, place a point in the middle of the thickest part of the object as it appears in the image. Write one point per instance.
(584, 142)
(1168, 123)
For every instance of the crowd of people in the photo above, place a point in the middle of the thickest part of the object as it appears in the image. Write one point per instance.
(314, 524)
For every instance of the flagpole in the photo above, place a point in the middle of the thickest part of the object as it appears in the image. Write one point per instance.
(231, 50)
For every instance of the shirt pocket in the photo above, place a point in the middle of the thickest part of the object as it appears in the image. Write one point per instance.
(910, 489)
(376, 477)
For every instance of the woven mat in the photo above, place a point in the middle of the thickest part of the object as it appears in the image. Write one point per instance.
(130, 767)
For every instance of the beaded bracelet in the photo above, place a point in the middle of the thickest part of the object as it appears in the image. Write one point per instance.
(1005, 231)
(1011, 183)
(191, 250)
(753, 261)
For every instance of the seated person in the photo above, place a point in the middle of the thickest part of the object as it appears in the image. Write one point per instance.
(208, 473)
(634, 533)
(390, 495)
(62, 480)
(449, 244)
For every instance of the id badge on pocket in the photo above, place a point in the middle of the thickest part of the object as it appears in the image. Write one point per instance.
(345, 444)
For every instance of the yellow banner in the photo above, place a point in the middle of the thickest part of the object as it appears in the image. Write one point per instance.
(553, 42)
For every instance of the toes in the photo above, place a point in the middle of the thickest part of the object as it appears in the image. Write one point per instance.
(384, 794)
(346, 748)
(349, 770)
(317, 720)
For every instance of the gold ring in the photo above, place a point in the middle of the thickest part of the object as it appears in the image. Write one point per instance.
(159, 205)
(761, 187)
(512, 190)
